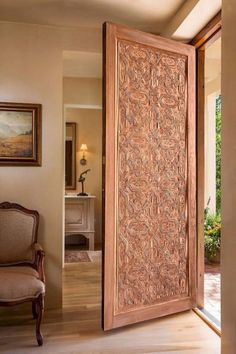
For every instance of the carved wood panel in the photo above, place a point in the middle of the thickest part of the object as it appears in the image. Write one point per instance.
(152, 218)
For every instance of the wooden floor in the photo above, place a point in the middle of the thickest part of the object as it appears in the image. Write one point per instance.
(76, 328)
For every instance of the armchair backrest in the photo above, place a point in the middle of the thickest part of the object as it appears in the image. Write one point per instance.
(18, 232)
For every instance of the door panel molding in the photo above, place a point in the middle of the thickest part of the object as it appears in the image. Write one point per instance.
(149, 267)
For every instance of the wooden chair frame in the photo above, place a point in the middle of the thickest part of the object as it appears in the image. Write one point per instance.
(37, 264)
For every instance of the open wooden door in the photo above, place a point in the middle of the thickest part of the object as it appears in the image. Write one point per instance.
(149, 266)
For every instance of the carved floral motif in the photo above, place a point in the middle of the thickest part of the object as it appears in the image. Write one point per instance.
(152, 239)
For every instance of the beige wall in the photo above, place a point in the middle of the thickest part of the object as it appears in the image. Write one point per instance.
(89, 131)
(87, 91)
(82, 91)
(31, 71)
(229, 178)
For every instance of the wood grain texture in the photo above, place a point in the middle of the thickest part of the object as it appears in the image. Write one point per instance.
(77, 328)
(204, 37)
(150, 220)
(152, 262)
(200, 176)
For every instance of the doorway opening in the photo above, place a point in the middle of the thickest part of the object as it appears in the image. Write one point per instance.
(212, 209)
(82, 98)
(209, 173)
(77, 216)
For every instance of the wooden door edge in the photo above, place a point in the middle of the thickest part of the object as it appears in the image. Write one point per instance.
(211, 28)
(151, 313)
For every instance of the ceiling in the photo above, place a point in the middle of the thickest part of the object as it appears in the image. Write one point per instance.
(179, 19)
(148, 15)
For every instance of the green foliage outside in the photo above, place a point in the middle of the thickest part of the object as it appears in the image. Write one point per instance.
(212, 223)
(212, 230)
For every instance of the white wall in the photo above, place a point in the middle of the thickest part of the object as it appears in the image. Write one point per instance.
(228, 258)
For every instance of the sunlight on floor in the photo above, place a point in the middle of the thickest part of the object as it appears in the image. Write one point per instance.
(212, 294)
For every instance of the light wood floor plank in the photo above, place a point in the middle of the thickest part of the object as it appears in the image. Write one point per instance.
(77, 329)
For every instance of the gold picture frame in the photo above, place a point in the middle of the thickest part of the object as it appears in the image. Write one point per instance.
(20, 134)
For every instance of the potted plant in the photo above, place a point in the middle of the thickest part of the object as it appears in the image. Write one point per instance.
(212, 231)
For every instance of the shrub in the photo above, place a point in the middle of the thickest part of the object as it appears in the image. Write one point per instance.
(212, 231)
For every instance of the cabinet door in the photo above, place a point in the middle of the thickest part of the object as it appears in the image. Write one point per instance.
(149, 267)
(76, 215)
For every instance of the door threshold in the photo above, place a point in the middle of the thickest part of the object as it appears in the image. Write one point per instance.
(208, 321)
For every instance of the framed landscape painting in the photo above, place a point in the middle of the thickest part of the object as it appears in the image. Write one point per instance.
(20, 134)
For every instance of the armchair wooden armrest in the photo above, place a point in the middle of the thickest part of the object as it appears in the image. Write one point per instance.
(39, 260)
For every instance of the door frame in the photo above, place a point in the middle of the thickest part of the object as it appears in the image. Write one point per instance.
(207, 36)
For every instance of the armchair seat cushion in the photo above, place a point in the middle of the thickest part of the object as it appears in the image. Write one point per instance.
(19, 284)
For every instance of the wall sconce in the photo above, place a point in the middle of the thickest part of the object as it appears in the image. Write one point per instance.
(83, 148)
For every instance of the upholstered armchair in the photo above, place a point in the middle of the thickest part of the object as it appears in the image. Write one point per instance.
(21, 261)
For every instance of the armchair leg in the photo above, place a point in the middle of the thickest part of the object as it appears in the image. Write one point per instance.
(39, 313)
(34, 310)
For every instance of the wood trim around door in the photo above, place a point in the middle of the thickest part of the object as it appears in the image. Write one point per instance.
(200, 177)
(209, 31)
(207, 36)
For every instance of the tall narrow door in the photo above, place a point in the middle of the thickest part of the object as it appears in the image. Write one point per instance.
(149, 267)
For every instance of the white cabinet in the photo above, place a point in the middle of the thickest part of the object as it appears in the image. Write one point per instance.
(79, 217)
